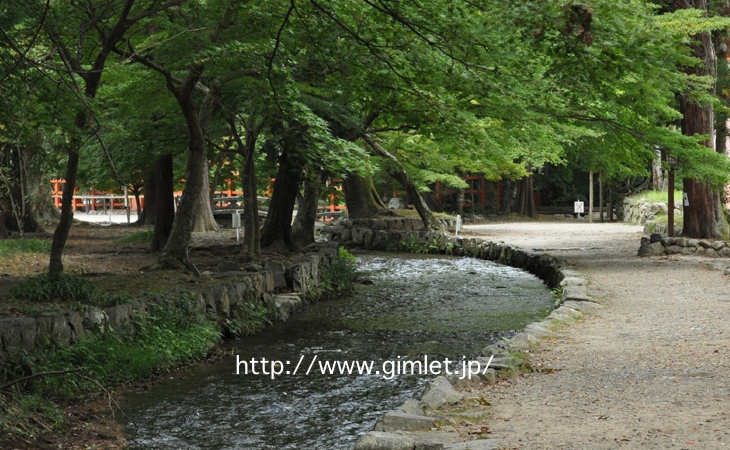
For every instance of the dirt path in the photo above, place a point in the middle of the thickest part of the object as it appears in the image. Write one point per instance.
(650, 370)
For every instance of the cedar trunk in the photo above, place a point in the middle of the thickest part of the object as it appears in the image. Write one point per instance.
(702, 217)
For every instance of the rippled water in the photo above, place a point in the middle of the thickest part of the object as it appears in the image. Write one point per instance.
(417, 305)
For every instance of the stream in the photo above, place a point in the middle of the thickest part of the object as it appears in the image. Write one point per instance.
(417, 306)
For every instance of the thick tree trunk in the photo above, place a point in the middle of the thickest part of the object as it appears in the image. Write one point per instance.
(204, 220)
(277, 228)
(701, 217)
(396, 170)
(164, 202)
(305, 221)
(361, 198)
(525, 199)
(175, 253)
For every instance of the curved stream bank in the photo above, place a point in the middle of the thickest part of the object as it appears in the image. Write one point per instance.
(416, 306)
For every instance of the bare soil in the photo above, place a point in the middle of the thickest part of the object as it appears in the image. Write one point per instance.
(96, 253)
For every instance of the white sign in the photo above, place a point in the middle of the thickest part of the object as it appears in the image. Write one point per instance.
(686, 199)
(578, 207)
(458, 225)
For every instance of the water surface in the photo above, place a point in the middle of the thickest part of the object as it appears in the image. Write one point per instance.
(416, 306)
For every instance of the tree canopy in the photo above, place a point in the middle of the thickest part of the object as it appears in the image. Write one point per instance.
(428, 90)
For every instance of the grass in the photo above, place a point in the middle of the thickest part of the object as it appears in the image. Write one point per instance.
(655, 196)
(168, 334)
(15, 246)
(64, 288)
(139, 237)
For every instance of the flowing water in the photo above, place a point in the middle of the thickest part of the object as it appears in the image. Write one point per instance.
(416, 307)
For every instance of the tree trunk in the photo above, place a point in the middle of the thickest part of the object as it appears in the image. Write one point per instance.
(305, 221)
(204, 220)
(136, 192)
(60, 235)
(21, 190)
(175, 253)
(525, 199)
(361, 198)
(459, 201)
(396, 170)
(150, 198)
(277, 228)
(433, 203)
(164, 202)
(507, 196)
(701, 217)
(251, 227)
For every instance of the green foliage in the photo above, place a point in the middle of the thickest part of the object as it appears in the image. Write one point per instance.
(252, 319)
(339, 277)
(654, 196)
(64, 288)
(166, 335)
(15, 246)
(415, 245)
(346, 256)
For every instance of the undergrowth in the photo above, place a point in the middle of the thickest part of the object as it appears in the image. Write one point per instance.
(63, 288)
(15, 246)
(339, 277)
(70, 289)
(169, 333)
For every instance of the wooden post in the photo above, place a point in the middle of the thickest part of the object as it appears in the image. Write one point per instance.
(600, 194)
(670, 204)
(590, 196)
(126, 202)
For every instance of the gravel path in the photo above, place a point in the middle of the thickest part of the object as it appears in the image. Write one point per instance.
(650, 370)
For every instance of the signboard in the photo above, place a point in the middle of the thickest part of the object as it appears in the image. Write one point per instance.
(458, 225)
(578, 207)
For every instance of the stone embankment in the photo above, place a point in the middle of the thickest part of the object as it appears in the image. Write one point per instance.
(279, 287)
(657, 245)
(430, 423)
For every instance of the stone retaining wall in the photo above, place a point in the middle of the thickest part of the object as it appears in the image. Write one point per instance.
(383, 234)
(411, 426)
(657, 245)
(281, 288)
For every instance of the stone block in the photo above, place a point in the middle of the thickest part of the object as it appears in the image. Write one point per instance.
(18, 333)
(439, 393)
(278, 272)
(378, 440)
(400, 421)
